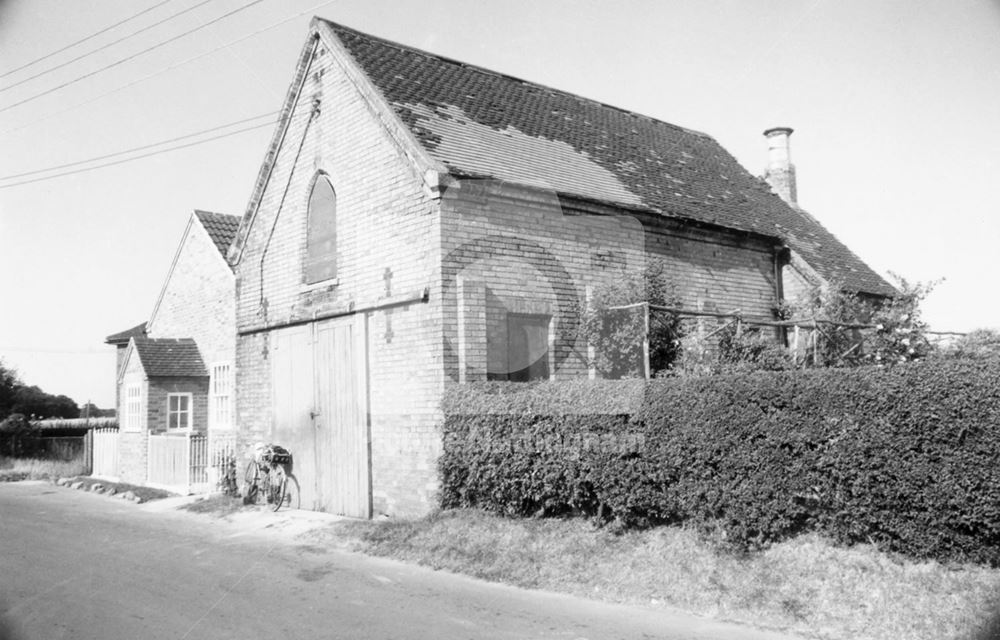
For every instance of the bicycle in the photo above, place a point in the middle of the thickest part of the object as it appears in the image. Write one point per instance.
(267, 476)
(227, 474)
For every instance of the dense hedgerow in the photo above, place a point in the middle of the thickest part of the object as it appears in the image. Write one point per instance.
(905, 457)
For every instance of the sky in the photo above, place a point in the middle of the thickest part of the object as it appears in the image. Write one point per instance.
(895, 106)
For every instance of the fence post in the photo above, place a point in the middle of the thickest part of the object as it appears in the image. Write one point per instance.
(645, 341)
(187, 461)
(88, 451)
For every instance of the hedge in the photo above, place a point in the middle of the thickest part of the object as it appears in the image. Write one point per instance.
(904, 457)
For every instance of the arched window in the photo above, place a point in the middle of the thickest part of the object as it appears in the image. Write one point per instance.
(321, 232)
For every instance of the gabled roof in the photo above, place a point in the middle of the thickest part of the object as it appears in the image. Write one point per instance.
(122, 337)
(221, 228)
(479, 123)
(174, 357)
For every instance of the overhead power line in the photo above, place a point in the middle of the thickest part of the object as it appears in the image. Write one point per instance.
(166, 69)
(131, 57)
(104, 46)
(139, 157)
(82, 40)
(142, 148)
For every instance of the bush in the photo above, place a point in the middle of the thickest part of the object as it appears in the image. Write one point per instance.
(903, 457)
(617, 335)
(18, 437)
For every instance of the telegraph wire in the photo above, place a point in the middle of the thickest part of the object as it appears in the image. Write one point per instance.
(166, 69)
(142, 148)
(82, 40)
(131, 57)
(139, 157)
(104, 46)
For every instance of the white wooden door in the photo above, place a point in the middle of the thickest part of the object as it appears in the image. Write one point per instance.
(319, 377)
(293, 391)
(342, 419)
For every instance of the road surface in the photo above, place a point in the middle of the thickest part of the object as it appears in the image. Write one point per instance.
(78, 565)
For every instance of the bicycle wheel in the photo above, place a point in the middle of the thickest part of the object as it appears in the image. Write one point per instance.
(279, 484)
(251, 480)
(292, 500)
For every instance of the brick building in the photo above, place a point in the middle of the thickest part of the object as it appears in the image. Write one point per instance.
(175, 371)
(418, 222)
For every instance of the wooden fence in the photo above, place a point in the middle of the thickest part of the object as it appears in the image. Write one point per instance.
(178, 462)
(802, 337)
(104, 456)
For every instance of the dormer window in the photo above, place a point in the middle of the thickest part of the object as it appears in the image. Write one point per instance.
(321, 232)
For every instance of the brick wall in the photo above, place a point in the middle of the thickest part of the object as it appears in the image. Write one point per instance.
(119, 361)
(385, 221)
(132, 452)
(198, 299)
(510, 250)
(798, 280)
(156, 405)
(132, 444)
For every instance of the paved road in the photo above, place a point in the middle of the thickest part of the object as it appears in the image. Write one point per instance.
(78, 565)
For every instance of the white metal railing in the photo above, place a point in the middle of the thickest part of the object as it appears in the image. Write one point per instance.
(221, 449)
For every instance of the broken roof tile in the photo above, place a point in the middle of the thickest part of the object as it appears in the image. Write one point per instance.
(482, 123)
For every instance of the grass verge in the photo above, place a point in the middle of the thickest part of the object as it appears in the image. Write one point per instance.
(14, 469)
(806, 586)
(218, 505)
(146, 494)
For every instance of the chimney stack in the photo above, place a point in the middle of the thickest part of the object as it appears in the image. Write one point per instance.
(780, 172)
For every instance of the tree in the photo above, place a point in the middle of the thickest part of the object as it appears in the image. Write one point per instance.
(617, 335)
(856, 330)
(8, 386)
(90, 410)
(32, 401)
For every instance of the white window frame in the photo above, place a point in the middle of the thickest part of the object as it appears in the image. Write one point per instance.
(171, 412)
(132, 401)
(221, 396)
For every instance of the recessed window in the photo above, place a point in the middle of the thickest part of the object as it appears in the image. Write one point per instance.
(321, 232)
(133, 408)
(178, 411)
(521, 353)
(221, 385)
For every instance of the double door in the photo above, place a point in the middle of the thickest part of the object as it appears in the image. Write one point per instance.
(319, 385)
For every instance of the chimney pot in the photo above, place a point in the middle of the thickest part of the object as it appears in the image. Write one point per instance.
(780, 172)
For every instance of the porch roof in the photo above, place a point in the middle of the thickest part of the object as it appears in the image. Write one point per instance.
(169, 357)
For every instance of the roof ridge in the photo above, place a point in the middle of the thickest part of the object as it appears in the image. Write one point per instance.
(423, 52)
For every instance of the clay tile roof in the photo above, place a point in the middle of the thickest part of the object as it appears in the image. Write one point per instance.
(170, 357)
(480, 123)
(220, 227)
(122, 337)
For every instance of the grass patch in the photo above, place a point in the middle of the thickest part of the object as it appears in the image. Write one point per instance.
(806, 586)
(14, 469)
(218, 505)
(145, 493)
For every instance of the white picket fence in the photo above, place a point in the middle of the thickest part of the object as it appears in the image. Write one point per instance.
(105, 452)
